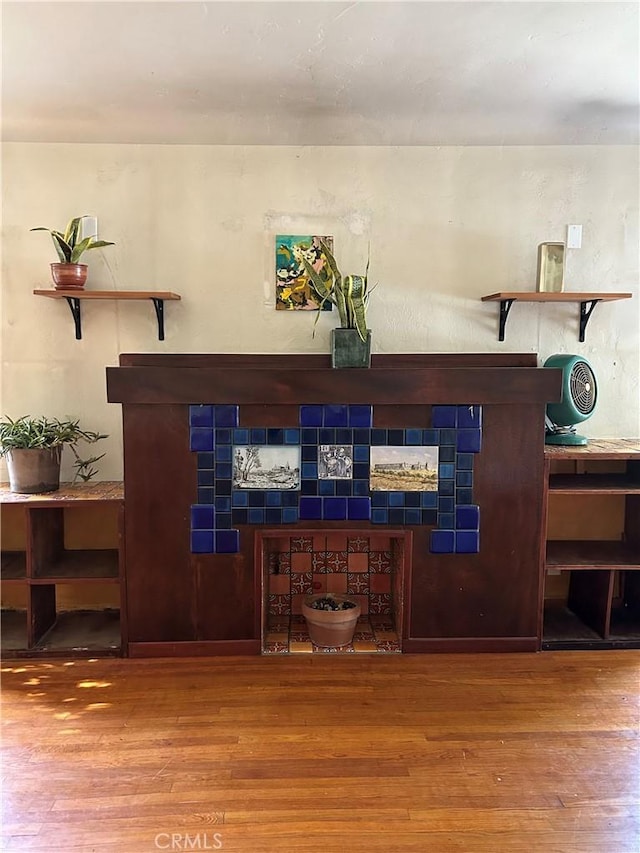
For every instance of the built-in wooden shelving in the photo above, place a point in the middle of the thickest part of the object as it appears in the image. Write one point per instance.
(588, 302)
(74, 297)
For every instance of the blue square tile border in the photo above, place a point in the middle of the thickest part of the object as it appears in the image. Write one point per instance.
(456, 431)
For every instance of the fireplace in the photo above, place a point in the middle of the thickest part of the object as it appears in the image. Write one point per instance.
(202, 529)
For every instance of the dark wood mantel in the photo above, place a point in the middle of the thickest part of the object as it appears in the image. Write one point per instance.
(184, 603)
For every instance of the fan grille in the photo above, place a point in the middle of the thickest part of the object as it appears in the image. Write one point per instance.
(582, 384)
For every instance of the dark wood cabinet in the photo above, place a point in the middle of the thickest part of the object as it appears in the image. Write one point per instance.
(62, 570)
(592, 565)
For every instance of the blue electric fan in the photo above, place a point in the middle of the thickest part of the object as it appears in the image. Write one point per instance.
(579, 395)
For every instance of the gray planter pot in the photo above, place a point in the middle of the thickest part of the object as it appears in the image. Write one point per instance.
(35, 470)
(349, 350)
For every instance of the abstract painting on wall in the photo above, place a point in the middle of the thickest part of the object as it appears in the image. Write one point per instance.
(293, 288)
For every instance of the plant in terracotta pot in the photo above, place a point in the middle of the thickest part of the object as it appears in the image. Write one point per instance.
(33, 448)
(331, 619)
(351, 343)
(69, 273)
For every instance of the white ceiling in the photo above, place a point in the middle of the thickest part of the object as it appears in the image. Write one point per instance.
(321, 73)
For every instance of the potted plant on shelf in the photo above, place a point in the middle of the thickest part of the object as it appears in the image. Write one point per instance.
(331, 619)
(33, 447)
(351, 343)
(69, 274)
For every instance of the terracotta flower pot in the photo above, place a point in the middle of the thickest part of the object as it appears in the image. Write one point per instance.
(330, 628)
(69, 276)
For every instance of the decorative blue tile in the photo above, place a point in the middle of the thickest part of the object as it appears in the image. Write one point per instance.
(205, 460)
(444, 416)
(361, 488)
(378, 437)
(201, 439)
(464, 496)
(226, 416)
(446, 488)
(469, 417)
(311, 416)
(223, 453)
(411, 499)
(431, 437)
(223, 469)
(412, 516)
(467, 517)
(360, 471)
(274, 499)
(223, 520)
(442, 542)
(358, 509)
(326, 436)
(205, 478)
(309, 453)
(223, 504)
(275, 436)
(413, 436)
(335, 416)
(429, 500)
(395, 437)
(467, 542)
(344, 488)
(396, 515)
(379, 516)
(202, 517)
(222, 487)
(360, 416)
(292, 436)
(202, 542)
(309, 487)
(327, 488)
(469, 441)
(464, 478)
(257, 498)
(361, 453)
(290, 499)
(240, 436)
(446, 520)
(447, 454)
(227, 541)
(448, 436)
(240, 516)
(310, 470)
(446, 504)
(334, 509)
(396, 498)
(258, 435)
(206, 495)
(240, 498)
(344, 436)
(380, 499)
(309, 436)
(446, 471)
(256, 515)
(464, 462)
(290, 515)
(429, 517)
(273, 515)
(201, 416)
(362, 436)
(310, 508)
(224, 436)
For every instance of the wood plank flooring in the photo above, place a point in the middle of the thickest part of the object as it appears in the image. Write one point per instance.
(318, 754)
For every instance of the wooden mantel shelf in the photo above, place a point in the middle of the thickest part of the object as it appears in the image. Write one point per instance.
(588, 302)
(73, 297)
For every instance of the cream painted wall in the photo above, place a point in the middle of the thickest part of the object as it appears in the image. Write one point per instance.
(446, 226)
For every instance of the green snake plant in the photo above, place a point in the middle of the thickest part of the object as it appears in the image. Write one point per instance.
(348, 293)
(68, 245)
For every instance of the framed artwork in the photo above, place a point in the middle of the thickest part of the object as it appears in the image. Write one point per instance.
(293, 289)
(257, 467)
(404, 469)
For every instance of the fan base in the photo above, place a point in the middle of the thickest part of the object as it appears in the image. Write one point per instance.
(570, 439)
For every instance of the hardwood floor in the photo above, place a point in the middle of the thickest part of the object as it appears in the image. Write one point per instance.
(311, 754)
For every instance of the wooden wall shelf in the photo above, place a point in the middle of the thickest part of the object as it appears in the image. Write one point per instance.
(588, 302)
(73, 298)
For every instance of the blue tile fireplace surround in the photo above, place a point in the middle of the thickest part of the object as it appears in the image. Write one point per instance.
(223, 453)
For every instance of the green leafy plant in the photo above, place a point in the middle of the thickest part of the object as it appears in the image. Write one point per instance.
(349, 293)
(68, 245)
(33, 433)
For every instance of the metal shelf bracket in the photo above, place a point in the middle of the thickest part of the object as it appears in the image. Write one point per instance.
(74, 304)
(158, 304)
(585, 315)
(505, 307)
